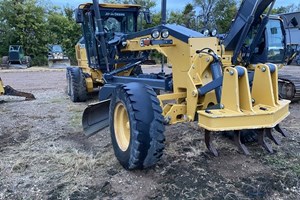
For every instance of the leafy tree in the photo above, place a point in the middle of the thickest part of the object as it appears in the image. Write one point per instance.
(206, 16)
(144, 3)
(186, 18)
(63, 30)
(24, 24)
(33, 25)
(224, 11)
(286, 9)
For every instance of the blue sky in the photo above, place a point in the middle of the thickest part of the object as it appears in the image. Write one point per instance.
(172, 4)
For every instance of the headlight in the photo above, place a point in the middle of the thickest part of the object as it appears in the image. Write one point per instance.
(155, 34)
(165, 33)
(205, 32)
(214, 32)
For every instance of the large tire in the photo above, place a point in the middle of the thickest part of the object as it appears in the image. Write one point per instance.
(78, 90)
(5, 61)
(136, 126)
(68, 77)
(27, 61)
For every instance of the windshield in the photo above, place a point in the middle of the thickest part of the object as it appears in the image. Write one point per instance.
(119, 22)
(276, 43)
(57, 48)
(14, 48)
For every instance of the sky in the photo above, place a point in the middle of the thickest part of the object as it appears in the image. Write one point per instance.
(171, 4)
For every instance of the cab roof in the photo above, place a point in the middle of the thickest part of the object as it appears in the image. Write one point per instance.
(109, 5)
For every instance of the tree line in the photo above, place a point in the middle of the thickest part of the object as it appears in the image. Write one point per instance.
(34, 25)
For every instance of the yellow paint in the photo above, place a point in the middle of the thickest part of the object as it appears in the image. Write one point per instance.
(122, 126)
(175, 113)
(81, 55)
(242, 110)
(1, 87)
(224, 120)
(263, 86)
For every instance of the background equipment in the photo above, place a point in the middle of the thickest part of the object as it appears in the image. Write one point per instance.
(16, 58)
(289, 83)
(57, 57)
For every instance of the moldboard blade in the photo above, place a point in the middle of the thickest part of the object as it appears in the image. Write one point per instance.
(95, 117)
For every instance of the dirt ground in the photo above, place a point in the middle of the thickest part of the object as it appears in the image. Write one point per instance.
(45, 155)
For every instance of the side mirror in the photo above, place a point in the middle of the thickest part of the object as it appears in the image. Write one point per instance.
(79, 16)
(147, 16)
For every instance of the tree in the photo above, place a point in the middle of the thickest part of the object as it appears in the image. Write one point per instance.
(24, 24)
(206, 15)
(224, 11)
(63, 30)
(186, 18)
(282, 9)
(34, 25)
(144, 3)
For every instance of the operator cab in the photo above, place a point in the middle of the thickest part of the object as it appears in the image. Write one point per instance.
(116, 17)
(276, 41)
(118, 20)
(16, 54)
(271, 47)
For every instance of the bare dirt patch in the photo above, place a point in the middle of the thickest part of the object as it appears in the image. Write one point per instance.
(44, 155)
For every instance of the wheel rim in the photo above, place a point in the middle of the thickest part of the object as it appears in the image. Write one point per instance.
(122, 126)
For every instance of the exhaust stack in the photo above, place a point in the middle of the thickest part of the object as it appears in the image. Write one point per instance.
(163, 11)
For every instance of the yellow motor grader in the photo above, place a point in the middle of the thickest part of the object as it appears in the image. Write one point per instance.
(228, 86)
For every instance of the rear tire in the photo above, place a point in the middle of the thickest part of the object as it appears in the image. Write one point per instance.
(5, 61)
(136, 126)
(28, 61)
(68, 77)
(77, 85)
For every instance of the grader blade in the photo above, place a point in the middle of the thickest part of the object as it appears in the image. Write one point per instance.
(95, 117)
(8, 90)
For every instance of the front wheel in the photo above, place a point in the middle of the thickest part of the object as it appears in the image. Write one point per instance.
(136, 126)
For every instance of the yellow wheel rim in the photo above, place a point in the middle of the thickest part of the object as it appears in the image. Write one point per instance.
(122, 126)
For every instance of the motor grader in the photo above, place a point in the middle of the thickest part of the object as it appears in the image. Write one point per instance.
(57, 57)
(227, 86)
